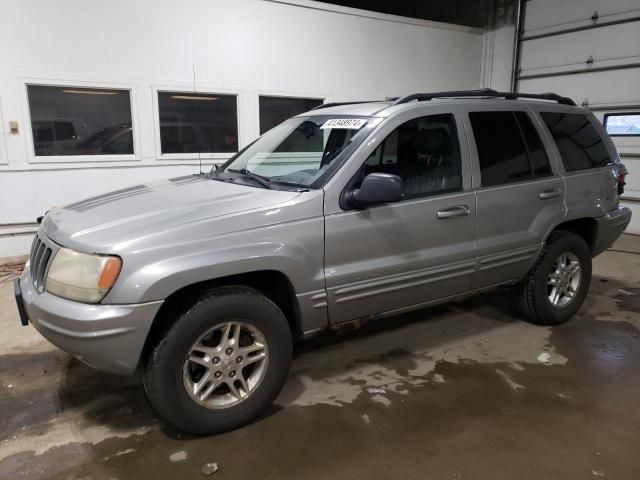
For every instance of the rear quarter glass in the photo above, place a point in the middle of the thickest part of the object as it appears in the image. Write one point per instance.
(580, 145)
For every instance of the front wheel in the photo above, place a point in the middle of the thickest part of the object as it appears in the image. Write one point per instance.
(556, 286)
(222, 362)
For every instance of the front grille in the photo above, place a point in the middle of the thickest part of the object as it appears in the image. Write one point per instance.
(39, 260)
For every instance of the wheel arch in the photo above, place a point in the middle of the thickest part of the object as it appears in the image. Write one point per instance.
(273, 284)
(584, 227)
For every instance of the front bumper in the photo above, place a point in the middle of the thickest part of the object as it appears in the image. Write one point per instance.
(107, 337)
(609, 228)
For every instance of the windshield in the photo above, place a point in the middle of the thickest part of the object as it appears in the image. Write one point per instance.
(302, 151)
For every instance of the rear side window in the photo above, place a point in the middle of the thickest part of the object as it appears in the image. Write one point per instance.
(509, 148)
(579, 143)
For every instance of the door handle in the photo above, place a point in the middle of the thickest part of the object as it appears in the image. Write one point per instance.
(457, 211)
(554, 192)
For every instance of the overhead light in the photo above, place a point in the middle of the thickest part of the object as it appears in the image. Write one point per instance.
(193, 97)
(90, 92)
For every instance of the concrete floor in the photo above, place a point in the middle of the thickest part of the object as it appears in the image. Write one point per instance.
(463, 391)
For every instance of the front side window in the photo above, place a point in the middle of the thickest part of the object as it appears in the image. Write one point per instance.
(275, 110)
(509, 148)
(424, 153)
(80, 121)
(579, 144)
(299, 152)
(198, 122)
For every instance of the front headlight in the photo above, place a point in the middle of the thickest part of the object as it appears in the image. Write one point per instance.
(82, 277)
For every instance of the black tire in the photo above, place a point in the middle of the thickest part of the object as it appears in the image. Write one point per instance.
(163, 368)
(530, 296)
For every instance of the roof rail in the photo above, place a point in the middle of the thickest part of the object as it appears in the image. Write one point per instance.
(337, 104)
(485, 92)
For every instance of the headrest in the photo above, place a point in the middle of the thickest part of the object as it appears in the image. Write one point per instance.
(433, 141)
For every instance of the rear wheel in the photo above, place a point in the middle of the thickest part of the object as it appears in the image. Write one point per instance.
(221, 364)
(556, 286)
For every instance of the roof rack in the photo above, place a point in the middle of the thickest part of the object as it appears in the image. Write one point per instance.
(337, 104)
(485, 92)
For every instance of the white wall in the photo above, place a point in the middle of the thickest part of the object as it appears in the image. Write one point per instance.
(244, 47)
(497, 63)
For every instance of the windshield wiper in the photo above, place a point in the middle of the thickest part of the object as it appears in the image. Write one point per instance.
(264, 181)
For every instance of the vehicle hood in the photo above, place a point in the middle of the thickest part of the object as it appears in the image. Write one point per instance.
(146, 210)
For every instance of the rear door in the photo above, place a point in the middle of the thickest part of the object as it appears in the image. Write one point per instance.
(393, 256)
(519, 191)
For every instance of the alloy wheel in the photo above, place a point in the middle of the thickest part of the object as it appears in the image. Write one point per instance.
(226, 365)
(564, 279)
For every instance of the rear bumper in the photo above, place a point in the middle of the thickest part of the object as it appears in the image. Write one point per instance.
(610, 227)
(107, 337)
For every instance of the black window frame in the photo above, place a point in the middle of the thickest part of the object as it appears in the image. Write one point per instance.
(84, 156)
(617, 114)
(527, 150)
(204, 154)
(319, 99)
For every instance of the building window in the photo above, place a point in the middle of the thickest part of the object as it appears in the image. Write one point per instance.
(80, 121)
(198, 122)
(509, 148)
(275, 110)
(579, 143)
(622, 124)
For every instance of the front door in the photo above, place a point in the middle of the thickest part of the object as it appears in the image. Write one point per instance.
(392, 256)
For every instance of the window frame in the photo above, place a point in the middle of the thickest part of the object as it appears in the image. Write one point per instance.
(617, 114)
(216, 157)
(529, 151)
(323, 98)
(32, 158)
(473, 108)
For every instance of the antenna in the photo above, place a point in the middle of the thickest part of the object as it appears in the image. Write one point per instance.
(193, 68)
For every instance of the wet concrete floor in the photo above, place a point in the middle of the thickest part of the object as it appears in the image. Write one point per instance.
(462, 391)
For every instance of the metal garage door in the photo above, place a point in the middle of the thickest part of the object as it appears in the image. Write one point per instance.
(588, 50)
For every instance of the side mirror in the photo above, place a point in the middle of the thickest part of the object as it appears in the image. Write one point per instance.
(376, 188)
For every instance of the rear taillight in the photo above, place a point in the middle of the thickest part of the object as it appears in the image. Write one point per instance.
(621, 182)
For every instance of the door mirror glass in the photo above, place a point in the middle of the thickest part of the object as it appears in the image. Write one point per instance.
(376, 188)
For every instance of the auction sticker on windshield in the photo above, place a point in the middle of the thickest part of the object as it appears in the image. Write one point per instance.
(349, 123)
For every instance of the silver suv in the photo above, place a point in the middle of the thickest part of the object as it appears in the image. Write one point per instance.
(345, 213)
